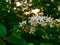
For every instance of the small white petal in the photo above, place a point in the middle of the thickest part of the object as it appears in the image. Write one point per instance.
(18, 4)
(35, 10)
(23, 22)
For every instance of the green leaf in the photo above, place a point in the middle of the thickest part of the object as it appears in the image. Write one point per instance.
(35, 34)
(3, 43)
(3, 31)
(45, 44)
(42, 44)
(16, 32)
(30, 44)
(15, 27)
(13, 40)
(1, 38)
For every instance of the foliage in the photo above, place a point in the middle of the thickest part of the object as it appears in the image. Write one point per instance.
(12, 34)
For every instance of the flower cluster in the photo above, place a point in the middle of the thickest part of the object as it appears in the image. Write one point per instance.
(40, 20)
(44, 21)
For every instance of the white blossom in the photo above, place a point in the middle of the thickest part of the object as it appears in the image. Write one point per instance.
(58, 20)
(41, 20)
(24, 22)
(48, 19)
(26, 13)
(35, 10)
(30, 0)
(31, 30)
(51, 25)
(21, 23)
(44, 17)
(32, 20)
(18, 4)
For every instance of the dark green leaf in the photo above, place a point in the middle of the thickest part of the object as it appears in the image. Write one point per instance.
(30, 44)
(3, 43)
(1, 38)
(13, 40)
(45, 44)
(16, 32)
(3, 30)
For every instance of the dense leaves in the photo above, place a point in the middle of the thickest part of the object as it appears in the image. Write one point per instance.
(13, 40)
(16, 32)
(3, 43)
(13, 34)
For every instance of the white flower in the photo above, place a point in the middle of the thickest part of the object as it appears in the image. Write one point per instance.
(24, 22)
(48, 19)
(42, 24)
(58, 20)
(41, 20)
(30, 4)
(18, 4)
(31, 30)
(21, 23)
(35, 10)
(51, 25)
(34, 19)
(30, 0)
(41, 17)
(26, 13)
(44, 17)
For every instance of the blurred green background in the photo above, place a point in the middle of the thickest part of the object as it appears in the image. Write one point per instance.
(12, 12)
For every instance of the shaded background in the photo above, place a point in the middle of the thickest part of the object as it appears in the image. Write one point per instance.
(11, 14)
